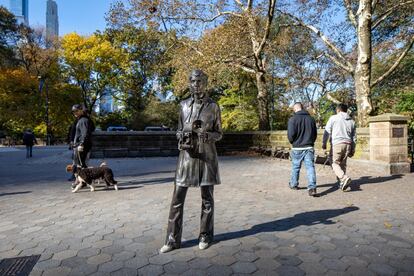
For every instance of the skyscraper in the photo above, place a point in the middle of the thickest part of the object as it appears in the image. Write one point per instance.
(20, 9)
(52, 19)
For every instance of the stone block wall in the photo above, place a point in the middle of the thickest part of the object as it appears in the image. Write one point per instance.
(147, 144)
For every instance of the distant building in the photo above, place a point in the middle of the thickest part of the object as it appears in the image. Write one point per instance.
(20, 9)
(107, 103)
(52, 20)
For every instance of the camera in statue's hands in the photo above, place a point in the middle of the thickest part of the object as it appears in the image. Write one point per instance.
(192, 137)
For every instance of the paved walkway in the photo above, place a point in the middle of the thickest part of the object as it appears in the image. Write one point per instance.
(262, 227)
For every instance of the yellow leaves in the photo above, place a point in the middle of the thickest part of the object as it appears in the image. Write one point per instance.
(387, 225)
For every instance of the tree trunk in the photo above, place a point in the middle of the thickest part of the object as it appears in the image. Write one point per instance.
(263, 100)
(363, 67)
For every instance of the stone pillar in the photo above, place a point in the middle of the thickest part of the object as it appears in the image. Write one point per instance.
(389, 142)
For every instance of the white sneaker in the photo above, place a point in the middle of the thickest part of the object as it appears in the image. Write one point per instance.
(166, 248)
(203, 245)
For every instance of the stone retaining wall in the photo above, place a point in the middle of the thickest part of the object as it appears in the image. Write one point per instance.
(148, 144)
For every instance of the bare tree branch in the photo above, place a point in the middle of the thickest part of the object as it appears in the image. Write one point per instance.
(346, 65)
(384, 16)
(332, 99)
(351, 14)
(396, 63)
(204, 20)
(270, 15)
(373, 5)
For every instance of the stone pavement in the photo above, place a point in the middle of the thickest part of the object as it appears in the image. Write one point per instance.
(262, 227)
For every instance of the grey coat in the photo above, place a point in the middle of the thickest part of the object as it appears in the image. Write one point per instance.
(199, 168)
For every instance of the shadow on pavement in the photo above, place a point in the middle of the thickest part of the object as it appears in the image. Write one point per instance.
(357, 183)
(153, 181)
(15, 193)
(306, 218)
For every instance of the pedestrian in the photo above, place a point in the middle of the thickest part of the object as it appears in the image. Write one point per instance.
(29, 140)
(199, 128)
(340, 130)
(69, 140)
(302, 134)
(82, 141)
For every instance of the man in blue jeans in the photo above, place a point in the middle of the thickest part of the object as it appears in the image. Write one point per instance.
(302, 135)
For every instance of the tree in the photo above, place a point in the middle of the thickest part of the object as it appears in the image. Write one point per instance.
(9, 33)
(189, 18)
(349, 44)
(91, 63)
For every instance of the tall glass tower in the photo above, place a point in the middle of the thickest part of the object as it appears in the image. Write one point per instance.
(20, 9)
(52, 19)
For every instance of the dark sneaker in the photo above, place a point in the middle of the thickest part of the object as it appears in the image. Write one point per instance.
(345, 183)
(312, 192)
(294, 187)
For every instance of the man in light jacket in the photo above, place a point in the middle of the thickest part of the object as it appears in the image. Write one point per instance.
(342, 133)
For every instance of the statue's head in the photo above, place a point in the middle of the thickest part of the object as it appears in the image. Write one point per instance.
(198, 84)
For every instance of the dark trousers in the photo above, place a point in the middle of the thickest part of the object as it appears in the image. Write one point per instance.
(175, 219)
(79, 157)
(29, 150)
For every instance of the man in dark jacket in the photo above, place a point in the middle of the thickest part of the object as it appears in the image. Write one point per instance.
(29, 140)
(302, 135)
(82, 142)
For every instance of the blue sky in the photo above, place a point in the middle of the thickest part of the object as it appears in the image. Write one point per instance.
(81, 16)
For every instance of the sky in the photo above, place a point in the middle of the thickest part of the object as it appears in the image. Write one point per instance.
(81, 16)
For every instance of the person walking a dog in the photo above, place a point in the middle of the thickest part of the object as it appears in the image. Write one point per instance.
(302, 134)
(199, 127)
(341, 130)
(82, 142)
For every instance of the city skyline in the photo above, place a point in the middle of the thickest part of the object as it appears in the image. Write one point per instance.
(82, 17)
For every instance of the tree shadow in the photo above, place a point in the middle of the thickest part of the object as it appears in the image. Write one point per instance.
(15, 193)
(301, 219)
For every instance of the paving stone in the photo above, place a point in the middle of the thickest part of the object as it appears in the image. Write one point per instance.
(334, 264)
(88, 252)
(244, 267)
(288, 260)
(160, 259)
(99, 259)
(289, 270)
(313, 268)
(223, 260)
(110, 266)
(193, 272)
(199, 263)
(136, 262)
(84, 269)
(64, 254)
(382, 269)
(246, 256)
(176, 267)
(266, 264)
(125, 272)
(151, 270)
(61, 271)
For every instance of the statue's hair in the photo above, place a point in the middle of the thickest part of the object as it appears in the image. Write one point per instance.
(198, 73)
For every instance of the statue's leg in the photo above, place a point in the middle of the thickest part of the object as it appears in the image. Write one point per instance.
(207, 214)
(175, 218)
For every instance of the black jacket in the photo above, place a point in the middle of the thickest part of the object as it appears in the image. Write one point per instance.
(29, 139)
(83, 132)
(302, 130)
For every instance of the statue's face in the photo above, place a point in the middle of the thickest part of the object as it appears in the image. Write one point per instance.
(198, 87)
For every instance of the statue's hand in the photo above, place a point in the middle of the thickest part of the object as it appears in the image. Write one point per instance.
(179, 135)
